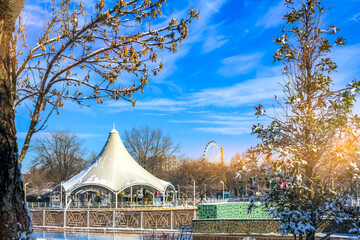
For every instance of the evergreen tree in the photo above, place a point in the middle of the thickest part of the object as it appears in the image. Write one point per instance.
(314, 138)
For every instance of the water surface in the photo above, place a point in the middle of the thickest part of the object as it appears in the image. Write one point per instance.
(42, 235)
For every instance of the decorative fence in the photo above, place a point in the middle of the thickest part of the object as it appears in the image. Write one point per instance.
(237, 210)
(91, 205)
(166, 218)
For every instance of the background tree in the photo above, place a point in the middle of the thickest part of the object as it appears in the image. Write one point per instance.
(79, 56)
(58, 156)
(38, 184)
(207, 176)
(207, 180)
(249, 171)
(149, 146)
(314, 139)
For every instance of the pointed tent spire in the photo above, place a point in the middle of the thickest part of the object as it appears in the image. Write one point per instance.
(115, 169)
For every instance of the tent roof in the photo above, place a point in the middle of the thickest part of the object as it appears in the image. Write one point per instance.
(115, 169)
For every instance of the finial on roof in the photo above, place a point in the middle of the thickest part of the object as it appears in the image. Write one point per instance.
(114, 130)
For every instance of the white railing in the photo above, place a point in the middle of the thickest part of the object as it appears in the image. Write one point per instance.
(112, 205)
(170, 219)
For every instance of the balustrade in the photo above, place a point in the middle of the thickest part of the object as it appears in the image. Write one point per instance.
(171, 218)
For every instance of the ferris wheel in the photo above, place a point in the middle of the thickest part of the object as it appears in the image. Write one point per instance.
(213, 152)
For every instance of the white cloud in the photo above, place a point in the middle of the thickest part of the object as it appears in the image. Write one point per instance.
(34, 15)
(155, 114)
(200, 30)
(209, 122)
(224, 130)
(157, 104)
(73, 106)
(240, 64)
(224, 123)
(356, 18)
(169, 60)
(213, 42)
(212, 39)
(203, 30)
(22, 135)
(249, 92)
(348, 66)
(273, 17)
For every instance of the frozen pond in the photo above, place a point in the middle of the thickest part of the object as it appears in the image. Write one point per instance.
(103, 236)
(87, 236)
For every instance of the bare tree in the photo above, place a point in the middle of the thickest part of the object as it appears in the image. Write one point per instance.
(207, 177)
(250, 169)
(82, 56)
(59, 156)
(149, 146)
(79, 56)
(37, 184)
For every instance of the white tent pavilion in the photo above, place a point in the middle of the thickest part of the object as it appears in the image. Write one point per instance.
(114, 170)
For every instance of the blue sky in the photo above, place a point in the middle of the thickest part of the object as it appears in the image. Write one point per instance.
(208, 89)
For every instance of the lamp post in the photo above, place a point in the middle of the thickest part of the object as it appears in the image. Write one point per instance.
(25, 189)
(131, 196)
(173, 196)
(357, 192)
(164, 198)
(205, 193)
(61, 195)
(194, 193)
(223, 184)
(178, 192)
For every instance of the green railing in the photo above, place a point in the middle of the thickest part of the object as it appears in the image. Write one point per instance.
(231, 211)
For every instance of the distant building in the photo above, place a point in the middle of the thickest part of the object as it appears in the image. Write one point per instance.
(169, 163)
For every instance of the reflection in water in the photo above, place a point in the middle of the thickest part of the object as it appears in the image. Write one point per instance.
(86, 236)
(111, 236)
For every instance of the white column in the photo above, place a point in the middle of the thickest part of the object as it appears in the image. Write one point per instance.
(64, 217)
(194, 195)
(43, 218)
(65, 200)
(223, 185)
(357, 192)
(142, 220)
(61, 196)
(205, 193)
(113, 219)
(25, 186)
(51, 203)
(131, 195)
(179, 193)
(116, 199)
(164, 199)
(171, 220)
(176, 198)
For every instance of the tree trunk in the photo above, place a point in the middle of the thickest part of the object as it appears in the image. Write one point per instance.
(15, 221)
(310, 236)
